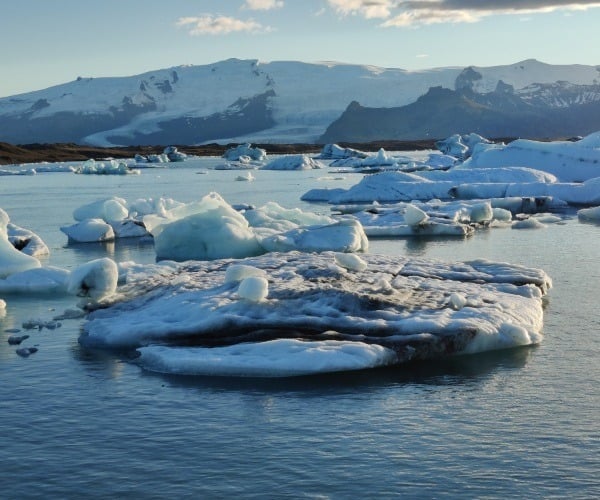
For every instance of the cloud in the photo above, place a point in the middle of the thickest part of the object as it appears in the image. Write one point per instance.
(367, 8)
(262, 4)
(208, 24)
(422, 12)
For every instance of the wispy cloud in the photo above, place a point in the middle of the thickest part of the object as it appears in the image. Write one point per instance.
(423, 12)
(367, 8)
(208, 24)
(262, 4)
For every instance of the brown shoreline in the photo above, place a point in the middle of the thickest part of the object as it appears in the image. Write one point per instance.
(35, 153)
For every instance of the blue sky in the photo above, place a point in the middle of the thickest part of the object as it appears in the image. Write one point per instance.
(47, 42)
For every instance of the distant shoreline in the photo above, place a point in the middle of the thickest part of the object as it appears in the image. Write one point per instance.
(35, 153)
(61, 152)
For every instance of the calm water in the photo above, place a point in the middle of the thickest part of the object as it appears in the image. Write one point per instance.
(85, 424)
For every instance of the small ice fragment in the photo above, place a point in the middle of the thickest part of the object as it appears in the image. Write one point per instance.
(482, 212)
(350, 261)
(254, 288)
(238, 272)
(414, 216)
(530, 223)
(457, 301)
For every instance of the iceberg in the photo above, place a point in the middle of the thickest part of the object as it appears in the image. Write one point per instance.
(12, 260)
(293, 162)
(390, 187)
(335, 152)
(26, 241)
(568, 161)
(461, 146)
(589, 214)
(88, 231)
(112, 167)
(188, 318)
(237, 152)
(95, 279)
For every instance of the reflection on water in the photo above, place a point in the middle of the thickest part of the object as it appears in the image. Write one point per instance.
(140, 250)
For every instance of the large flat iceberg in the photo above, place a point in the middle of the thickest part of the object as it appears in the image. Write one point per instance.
(192, 318)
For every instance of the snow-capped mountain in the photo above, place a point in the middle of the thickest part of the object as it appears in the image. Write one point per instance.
(246, 100)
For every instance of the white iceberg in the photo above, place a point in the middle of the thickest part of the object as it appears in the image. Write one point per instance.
(461, 146)
(207, 229)
(95, 279)
(26, 241)
(109, 210)
(406, 309)
(234, 154)
(293, 162)
(88, 231)
(568, 161)
(591, 214)
(335, 152)
(346, 235)
(111, 167)
(12, 260)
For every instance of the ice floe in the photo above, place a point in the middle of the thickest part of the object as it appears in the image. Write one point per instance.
(385, 310)
(568, 161)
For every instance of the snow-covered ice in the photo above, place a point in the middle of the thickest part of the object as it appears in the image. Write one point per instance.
(406, 307)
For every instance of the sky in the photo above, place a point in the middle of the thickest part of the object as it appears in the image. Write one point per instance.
(48, 42)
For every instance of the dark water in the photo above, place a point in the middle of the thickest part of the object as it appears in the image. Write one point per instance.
(89, 424)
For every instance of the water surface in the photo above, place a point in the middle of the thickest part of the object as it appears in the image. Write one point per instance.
(82, 423)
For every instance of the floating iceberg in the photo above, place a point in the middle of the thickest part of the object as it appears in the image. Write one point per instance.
(293, 162)
(245, 150)
(589, 214)
(88, 231)
(207, 229)
(112, 167)
(11, 259)
(335, 152)
(26, 241)
(173, 154)
(568, 161)
(388, 310)
(461, 146)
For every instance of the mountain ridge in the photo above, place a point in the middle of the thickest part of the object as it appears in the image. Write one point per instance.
(249, 101)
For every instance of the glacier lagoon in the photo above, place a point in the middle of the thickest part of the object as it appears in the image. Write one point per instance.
(89, 422)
